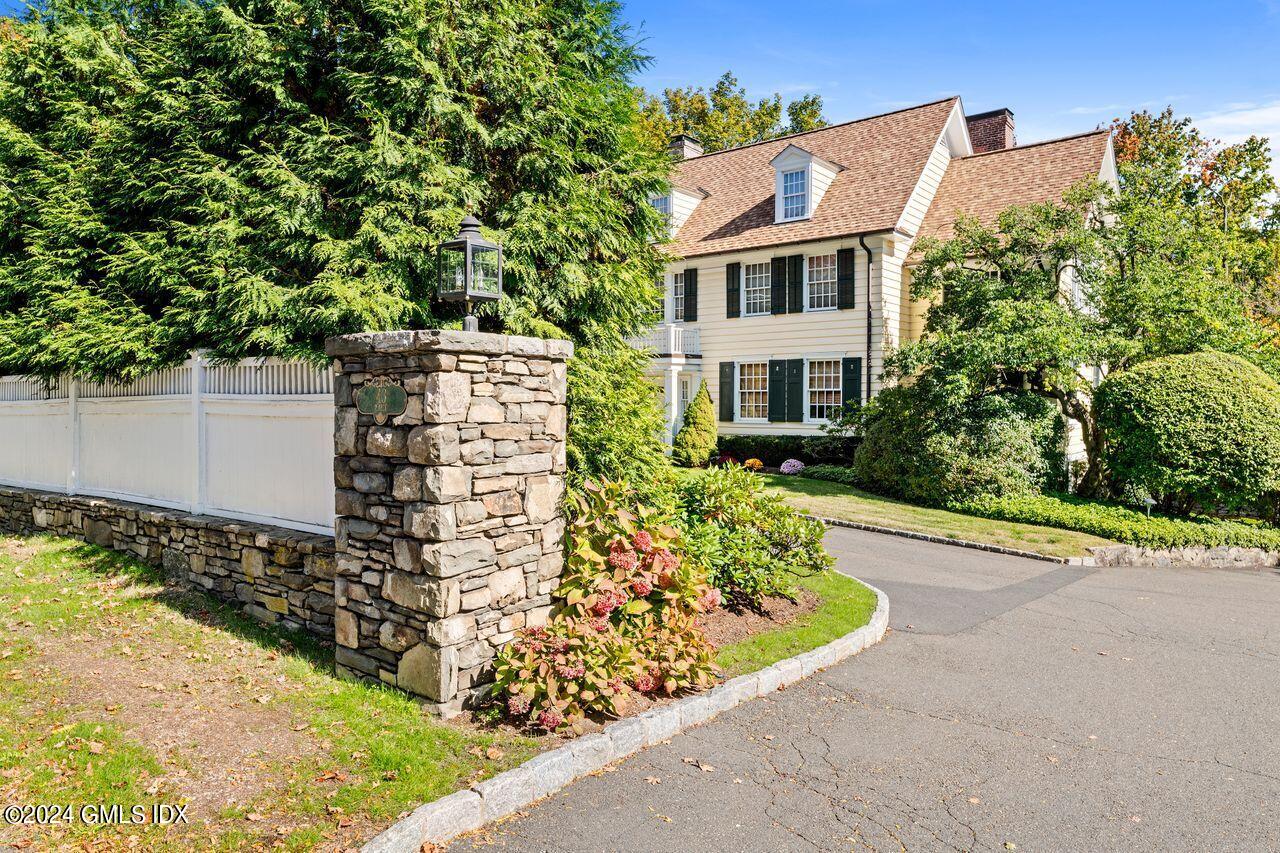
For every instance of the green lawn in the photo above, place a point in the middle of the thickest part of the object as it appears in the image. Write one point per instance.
(835, 500)
(845, 606)
(116, 689)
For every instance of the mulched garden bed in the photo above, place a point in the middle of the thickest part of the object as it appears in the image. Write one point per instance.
(730, 624)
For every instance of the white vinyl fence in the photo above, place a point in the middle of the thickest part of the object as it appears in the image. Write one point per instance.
(250, 441)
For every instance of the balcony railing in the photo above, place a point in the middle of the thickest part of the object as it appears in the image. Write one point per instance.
(668, 339)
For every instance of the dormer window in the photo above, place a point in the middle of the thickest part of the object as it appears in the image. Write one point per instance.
(802, 179)
(795, 194)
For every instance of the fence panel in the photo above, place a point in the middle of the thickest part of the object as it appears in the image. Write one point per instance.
(251, 440)
(35, 444)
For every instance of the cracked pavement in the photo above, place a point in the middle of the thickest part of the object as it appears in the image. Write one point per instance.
(1015, 704)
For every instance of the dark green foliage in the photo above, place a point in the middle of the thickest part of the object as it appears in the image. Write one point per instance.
(833, 473)
(773, 450)
(616, 425)
(923, 447)
(1198, 431)
(250, 177)
(696, 440)
(752, 544)
(1121, 523)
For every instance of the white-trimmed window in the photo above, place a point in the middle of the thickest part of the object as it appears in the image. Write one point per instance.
(677, 297)
(795, 194)
(756, 279)
(662, 204)
(822, 387)
(753, 391)
(821, 282)
(684, 392)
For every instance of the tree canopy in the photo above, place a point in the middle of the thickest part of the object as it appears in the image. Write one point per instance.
(1178, 259)
(251, 176)
(724, 117)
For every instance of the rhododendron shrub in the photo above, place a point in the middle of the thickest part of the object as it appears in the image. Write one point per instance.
(625, 619)
(751, 543)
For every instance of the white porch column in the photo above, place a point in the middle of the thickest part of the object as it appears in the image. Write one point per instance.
(671, 401)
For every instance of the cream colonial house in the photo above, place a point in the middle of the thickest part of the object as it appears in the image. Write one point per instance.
(796, 253)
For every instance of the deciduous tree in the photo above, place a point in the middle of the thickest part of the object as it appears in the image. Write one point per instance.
(724, 117)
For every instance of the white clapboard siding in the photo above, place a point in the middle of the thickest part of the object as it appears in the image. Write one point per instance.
(251, 440)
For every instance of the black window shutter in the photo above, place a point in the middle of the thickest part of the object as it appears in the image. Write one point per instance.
(690, 295)
(778, 286)
(732, 290)
(777, 390)
(727, 391)
(846, 261)
(795, 389)
(795, 284)
(851, 382)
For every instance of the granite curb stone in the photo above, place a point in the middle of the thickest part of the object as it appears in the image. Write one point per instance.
(503, 795)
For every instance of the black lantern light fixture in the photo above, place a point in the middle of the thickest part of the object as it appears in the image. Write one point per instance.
(470, 269)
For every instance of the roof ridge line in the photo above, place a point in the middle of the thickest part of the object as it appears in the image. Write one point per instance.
(820, 129)
(1035, 144)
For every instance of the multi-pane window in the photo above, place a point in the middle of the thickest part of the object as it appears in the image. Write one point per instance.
(662, 204)
(677, 296)
(795, 194)
(822, 282)
(684, 392)
(755, 289)
(753, 390)
(824, 388)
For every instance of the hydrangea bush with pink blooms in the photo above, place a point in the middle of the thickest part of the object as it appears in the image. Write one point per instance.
(791, 466)
(625, 619)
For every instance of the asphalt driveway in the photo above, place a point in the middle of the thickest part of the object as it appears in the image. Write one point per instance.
(1016, 704)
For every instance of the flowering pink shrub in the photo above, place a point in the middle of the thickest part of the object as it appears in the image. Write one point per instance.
(791, 466)
(625, 620)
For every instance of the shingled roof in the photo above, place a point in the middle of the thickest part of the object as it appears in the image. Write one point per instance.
(983, 185)
(883, 158)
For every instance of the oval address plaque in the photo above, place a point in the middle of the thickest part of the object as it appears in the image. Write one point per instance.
(383, 398)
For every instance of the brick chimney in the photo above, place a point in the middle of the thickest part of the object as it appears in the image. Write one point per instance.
(682, 147)
(991, 131)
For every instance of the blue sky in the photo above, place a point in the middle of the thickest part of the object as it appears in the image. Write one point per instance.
(1061, 67)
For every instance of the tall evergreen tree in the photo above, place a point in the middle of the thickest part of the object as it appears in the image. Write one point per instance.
(251, 176)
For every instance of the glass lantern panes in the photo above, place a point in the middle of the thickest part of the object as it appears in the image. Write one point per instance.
(470, 266)
(485, 271)
(453, 271)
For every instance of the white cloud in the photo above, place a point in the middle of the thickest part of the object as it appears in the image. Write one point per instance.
(1089, 111)
(1240, 121)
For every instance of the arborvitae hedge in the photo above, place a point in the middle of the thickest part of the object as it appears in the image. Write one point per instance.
(250, 176)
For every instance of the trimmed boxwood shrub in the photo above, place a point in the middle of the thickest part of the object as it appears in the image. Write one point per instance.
(1121, 523)
(1198, 431)
(835, 473)
(773, 450)
(696, 440)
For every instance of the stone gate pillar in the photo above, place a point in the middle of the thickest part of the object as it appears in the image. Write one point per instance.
(449, 529)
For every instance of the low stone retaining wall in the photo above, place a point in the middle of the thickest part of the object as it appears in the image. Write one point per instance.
(278, 575)
(1222, 557)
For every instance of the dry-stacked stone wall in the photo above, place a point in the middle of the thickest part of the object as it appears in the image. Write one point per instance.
(449, 530)
(277, 575)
